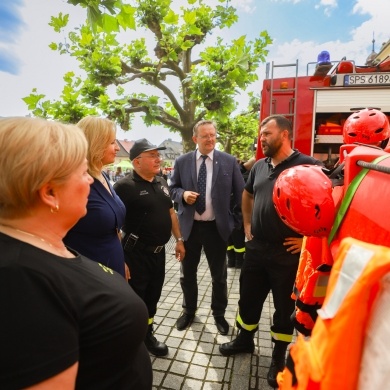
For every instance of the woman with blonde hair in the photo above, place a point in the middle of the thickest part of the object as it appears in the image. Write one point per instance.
(66, 321)
(96, 235)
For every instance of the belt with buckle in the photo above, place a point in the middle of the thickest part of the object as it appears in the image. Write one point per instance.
(149, 248)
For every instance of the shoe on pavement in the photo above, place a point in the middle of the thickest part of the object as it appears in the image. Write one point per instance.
(221, 324)
(184, 321)
(242, 344)
(278, 362)
(274, 369)
(154, 346)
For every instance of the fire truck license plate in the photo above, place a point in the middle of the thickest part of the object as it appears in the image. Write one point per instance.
(367, 79)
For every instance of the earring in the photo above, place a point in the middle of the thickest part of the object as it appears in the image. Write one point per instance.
(56, 208)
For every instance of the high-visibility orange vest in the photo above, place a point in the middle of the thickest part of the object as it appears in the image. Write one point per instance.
(330, 360)
(360, 219)
(311, 281)
(375, 363)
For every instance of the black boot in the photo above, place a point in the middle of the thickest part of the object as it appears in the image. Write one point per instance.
(231, 258)
(155, 347)
(242, 344)
(277, 363)
(239, 259)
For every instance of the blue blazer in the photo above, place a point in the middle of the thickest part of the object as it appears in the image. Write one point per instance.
(96, 234)
(227, 179)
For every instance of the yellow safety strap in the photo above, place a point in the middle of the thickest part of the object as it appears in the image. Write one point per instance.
(282, 337)
(249, 328)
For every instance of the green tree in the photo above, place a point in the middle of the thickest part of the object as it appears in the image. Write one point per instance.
(118, 14)
(239, 133)
(183, 79)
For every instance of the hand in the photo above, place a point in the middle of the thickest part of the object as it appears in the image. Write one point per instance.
(294, 244)
(180, 251)
(248, 231)
(127, 272)
(190, 197)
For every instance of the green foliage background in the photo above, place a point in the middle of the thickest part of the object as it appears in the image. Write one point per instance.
(185, 77)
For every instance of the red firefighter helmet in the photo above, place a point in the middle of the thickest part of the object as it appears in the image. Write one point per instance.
(302, 197)
(368, 126)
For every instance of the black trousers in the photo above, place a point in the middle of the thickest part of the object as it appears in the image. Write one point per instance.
(147, 271)
(267, 268)
(204, 234)
(236, 240)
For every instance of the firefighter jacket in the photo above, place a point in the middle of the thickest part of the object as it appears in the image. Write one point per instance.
(317, 257)
(331, 359)
(315, 263)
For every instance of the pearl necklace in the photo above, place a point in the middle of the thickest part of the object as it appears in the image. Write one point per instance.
(62, 251)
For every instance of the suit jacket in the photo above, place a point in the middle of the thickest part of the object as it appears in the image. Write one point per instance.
(227, 179)
(96, 234)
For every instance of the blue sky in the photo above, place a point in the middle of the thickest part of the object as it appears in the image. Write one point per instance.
(300, 30)
(307, 19)
(11, 24)
(338, 23)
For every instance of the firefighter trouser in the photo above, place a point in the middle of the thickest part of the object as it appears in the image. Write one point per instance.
(147, 271)
(267, 268)
(236, 241)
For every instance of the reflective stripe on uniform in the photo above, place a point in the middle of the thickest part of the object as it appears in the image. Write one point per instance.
(354, 263)
(239, 250)
(321, 286)
(150, 321)
(249, 328)
(282, 337)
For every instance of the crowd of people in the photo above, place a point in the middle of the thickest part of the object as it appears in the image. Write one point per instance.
(83, 259)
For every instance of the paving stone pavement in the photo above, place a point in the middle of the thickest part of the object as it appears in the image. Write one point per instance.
(194, 361)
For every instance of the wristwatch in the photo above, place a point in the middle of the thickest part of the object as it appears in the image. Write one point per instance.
(180, 239)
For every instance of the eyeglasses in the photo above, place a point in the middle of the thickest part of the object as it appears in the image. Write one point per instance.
(152, 156)
(210, 136)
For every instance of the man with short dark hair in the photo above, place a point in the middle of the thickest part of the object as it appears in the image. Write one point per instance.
(201, 184)
(272, 249)
(150, 221)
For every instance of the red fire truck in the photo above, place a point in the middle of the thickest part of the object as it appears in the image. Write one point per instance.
(319, 104)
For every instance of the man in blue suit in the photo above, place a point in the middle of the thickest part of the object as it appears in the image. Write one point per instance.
(210, 226)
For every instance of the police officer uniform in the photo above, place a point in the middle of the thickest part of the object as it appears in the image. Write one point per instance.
(147, 229)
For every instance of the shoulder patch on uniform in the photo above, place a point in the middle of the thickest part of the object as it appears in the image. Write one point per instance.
(165, 190)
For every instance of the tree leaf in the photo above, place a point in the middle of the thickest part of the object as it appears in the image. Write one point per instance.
(171, 18)
(110, 23)
(183, 78)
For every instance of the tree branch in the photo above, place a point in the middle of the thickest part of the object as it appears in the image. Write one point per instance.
(164, 118)
(171, 97)
(176, 68)
(200, 116)
(152, 79)
(197, 62)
